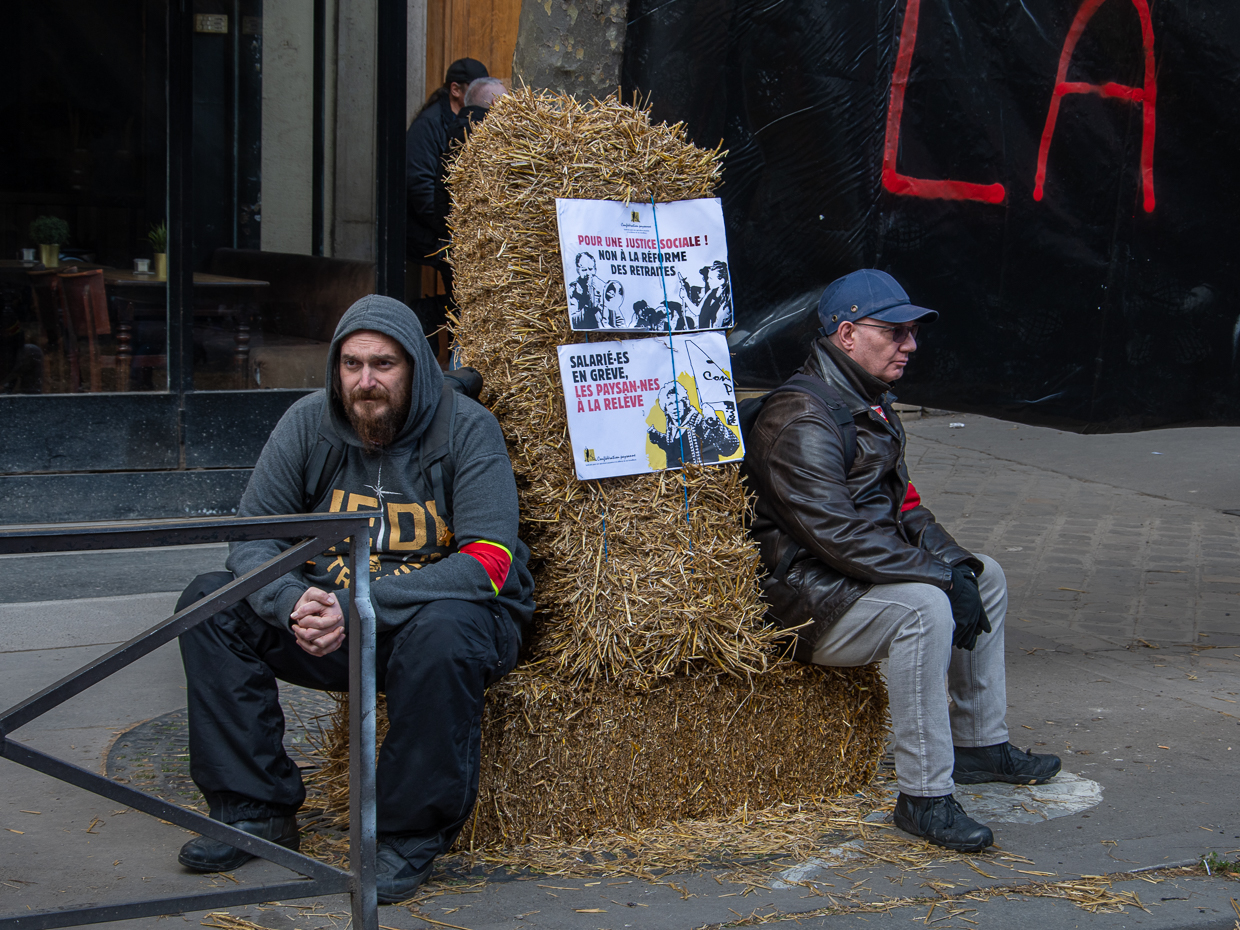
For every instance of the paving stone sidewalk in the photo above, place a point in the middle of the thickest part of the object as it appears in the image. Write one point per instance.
(1123, 657)
(1093, 558)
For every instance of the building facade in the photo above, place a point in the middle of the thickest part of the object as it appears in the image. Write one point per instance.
(224, 177)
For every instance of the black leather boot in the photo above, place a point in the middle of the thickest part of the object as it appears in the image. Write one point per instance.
(941, 821)
(1003, 762)
(395, 879)
(203, 854)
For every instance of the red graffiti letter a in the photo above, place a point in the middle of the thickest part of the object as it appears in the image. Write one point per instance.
(1145, 96)
(892, 179)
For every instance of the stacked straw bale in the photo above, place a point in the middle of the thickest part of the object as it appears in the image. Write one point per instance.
(654, 693)
(672, 595)
(562, 762)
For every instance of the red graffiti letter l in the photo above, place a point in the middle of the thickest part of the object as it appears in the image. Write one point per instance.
(892, 179)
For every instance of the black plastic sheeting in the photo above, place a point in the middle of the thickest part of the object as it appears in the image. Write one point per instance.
(1111, 302)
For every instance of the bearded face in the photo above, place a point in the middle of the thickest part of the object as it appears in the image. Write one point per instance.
(375, 386)
(375, 414)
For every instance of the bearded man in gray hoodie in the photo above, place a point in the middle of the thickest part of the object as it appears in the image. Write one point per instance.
(451, 593)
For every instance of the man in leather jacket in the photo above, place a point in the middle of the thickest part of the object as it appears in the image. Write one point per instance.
(863, 571)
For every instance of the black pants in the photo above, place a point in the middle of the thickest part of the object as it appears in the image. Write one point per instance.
(434, 670)
(431, 311)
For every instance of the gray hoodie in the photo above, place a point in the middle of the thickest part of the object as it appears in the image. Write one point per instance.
(415, 558)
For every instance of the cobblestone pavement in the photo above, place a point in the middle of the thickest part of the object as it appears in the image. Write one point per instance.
(1126, 567)
(1123, 657)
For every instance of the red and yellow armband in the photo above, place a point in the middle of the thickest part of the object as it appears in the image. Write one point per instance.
(911, 499)
(494, 558)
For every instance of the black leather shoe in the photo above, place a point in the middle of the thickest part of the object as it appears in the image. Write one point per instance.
(203, 854)
(941, 821)
(1003, 762)
(395, 879)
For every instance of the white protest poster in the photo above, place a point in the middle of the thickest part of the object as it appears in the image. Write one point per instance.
(628, 415)
(619, 257)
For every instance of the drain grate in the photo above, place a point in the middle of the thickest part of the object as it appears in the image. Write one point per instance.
(154, 755)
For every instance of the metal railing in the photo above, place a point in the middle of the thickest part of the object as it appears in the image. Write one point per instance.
(317, 533)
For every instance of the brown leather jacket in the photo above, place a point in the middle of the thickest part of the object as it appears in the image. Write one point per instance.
(851, 532)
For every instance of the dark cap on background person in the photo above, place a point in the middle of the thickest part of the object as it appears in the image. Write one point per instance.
(868, 293)
(464, 70)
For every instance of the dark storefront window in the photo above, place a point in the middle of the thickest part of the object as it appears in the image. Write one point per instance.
(83, 153)
(268, 140)
(266, 295)
(85, 145)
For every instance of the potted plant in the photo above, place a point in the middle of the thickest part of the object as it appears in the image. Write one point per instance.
(50, 233)
(159, 242)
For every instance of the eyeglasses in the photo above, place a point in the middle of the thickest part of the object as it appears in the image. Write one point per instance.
(899, 333)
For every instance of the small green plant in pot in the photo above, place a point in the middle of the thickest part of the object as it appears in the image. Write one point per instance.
(159, 243)
(49, 233)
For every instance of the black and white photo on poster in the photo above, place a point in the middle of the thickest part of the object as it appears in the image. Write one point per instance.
(645, 267)
(643, 405)
(700, 421)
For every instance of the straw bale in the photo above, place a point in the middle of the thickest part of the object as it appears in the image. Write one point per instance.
(561, 762)
(654, 694)
(635, 584)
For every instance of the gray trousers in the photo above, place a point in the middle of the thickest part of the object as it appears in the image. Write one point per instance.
(911, 625)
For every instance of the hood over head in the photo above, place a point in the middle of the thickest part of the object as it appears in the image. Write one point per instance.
(392, 318)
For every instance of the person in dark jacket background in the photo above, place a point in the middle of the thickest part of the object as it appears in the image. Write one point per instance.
(861, 567)
(450, 591)
(479, 98)
(426, 143)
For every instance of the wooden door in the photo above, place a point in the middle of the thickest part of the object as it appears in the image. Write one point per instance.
(481, 29)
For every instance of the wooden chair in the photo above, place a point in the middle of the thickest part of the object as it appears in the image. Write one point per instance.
(59, 337)
(128, 314)
(86, 310)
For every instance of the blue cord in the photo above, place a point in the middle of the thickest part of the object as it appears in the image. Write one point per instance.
(667, 314)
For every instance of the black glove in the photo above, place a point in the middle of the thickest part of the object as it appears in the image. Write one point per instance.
(967, 609)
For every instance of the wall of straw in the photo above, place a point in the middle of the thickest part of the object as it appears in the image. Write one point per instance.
(655, 692)
(676, 593)
(561, 762)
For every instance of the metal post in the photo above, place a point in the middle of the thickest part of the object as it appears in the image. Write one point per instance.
(317, 533)
(319, 127)
(390, 148)
(235, 120)
(362, 737)
(180, 211)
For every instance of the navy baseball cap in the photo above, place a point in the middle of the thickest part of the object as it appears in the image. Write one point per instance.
(868, 293)
(465, 70)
